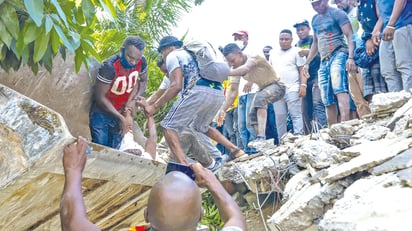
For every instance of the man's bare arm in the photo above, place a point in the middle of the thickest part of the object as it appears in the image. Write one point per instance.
(244, 69)
(72, 208)
(228, 209)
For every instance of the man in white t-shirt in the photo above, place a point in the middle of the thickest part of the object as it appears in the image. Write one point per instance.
(288, 65)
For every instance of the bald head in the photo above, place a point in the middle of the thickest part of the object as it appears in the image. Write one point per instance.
(174, 203)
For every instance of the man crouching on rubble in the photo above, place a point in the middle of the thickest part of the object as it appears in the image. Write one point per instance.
(168, 207)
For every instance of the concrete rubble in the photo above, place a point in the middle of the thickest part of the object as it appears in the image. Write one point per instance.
(355, 175)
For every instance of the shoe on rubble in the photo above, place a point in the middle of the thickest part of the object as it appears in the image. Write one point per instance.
(257, 142)
(216, 166)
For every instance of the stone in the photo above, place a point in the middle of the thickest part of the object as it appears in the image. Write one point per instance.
(385, 103)
(372, 154)
(373, 203)
(299, 211)
(318, 154)
(401, 161)
(405, 176)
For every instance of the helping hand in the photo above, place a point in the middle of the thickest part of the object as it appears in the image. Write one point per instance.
(74, 155)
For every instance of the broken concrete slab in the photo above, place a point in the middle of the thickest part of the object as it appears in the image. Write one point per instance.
(371, 154)
(373, 203)
(405, 176)
(401, 161)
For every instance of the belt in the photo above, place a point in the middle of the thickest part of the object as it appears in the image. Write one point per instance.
(209, 83)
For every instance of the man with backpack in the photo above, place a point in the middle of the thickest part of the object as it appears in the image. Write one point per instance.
(199, 101)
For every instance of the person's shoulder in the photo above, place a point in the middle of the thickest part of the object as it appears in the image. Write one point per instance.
(111, 60)
(107, 70)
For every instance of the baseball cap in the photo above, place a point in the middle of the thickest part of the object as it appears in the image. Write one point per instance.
(302, 22)
(240, 32)
(168, 41)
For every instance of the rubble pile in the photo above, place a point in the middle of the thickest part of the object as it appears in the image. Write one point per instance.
(356, 175)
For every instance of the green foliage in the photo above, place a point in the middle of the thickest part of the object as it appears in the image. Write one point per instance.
(34, 31)
(211, 218)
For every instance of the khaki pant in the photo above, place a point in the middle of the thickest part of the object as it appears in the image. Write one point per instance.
(356, 91)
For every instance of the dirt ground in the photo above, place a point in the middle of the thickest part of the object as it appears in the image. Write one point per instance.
(254, 220)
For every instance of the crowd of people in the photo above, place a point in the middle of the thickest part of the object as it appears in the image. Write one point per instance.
(357, 49)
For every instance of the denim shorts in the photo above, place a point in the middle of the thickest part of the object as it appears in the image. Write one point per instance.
(265, 96)
(333, 77)
(197, 108)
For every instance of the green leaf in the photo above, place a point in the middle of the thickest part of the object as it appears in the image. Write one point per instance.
(89, 10)
(63, 37)
(75, 39)
(9, 17)
(40, 47)
(60, 12)
(48, 59)
(109, 8)
(3, 51)
(20, 43)
(48, 24)
(88, 48)
(1, 1)
(5, 36)
(31, 32)
(78, 60)
(35, 10)
(55, 41)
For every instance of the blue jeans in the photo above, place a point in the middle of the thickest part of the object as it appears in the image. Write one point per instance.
(271, 131)
(105, 129)
(333, 78)
(247, 133)
(312, 106)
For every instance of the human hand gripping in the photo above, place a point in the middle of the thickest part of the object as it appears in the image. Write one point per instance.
(74, 156)
(204, 177)
(351, 66)
(370, 47)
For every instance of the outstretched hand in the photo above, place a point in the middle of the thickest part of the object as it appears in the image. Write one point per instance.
(74, 155)
(149, 110)
(204, 177)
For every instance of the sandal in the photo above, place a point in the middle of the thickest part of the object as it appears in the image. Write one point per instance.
(237, 153)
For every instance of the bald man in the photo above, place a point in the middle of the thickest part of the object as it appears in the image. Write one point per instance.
(174, 203)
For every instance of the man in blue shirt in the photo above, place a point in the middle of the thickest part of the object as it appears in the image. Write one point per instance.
(395, 49)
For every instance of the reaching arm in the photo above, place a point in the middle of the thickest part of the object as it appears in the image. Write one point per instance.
(176, 78)
(72, 208)
(350, 62)
(228, 209)
(244, 69)
(101, 90)
(153, 98)
(142, 84)
(312, 53)
(231, 96)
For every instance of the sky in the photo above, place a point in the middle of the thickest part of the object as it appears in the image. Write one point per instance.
(216, 20)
